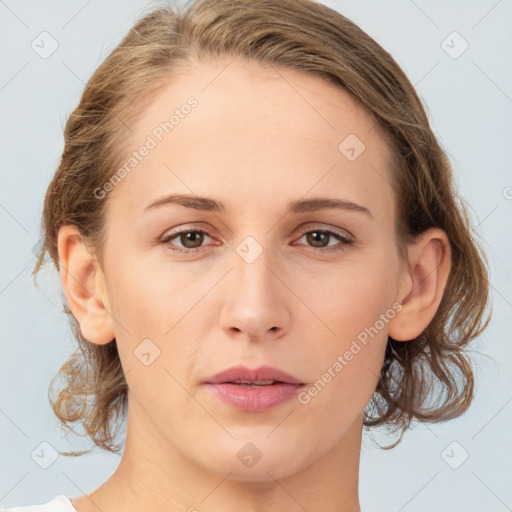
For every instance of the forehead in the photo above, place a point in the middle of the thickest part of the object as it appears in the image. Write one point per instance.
(244, 131)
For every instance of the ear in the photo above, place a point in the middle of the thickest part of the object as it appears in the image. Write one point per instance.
(84, 286)
(422, 285)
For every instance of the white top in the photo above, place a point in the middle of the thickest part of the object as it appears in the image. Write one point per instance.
(59, 504)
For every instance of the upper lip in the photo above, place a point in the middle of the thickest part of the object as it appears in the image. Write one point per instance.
(243, 373)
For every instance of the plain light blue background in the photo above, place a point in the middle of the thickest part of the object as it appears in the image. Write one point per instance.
(469, 103)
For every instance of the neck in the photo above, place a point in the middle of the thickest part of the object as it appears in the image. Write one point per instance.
(155, 475)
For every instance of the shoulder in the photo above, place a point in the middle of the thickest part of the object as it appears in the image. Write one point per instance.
(59, 504)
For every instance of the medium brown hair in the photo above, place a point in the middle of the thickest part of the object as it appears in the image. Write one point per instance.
(428, 378)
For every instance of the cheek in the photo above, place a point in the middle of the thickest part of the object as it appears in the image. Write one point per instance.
(355, 308)
(154, 311)
(352, 298)
(150, 298)
(345, 367)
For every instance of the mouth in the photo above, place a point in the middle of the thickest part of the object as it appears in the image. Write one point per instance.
(254, 390)
(263, 376)
(255, 396)
(255, 384)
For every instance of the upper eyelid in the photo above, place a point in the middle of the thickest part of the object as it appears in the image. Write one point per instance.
(173, 232)
(305, 228)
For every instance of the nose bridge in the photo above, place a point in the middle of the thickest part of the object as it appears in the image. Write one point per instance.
(255, 302)
(252, 264)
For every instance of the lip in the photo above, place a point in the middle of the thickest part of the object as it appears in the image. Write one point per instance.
(250, 375)
(254, 399)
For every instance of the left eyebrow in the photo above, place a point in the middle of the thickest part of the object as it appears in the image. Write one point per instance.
(324, 203)
(300, 206)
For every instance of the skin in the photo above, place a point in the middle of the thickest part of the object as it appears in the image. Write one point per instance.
(258, 134)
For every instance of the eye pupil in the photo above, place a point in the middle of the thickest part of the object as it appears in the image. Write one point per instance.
(313, 235)
(193, 236)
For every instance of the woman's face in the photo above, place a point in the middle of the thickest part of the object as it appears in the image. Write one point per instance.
(254, 288)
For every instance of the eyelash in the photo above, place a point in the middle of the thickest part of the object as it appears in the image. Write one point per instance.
(339, 236)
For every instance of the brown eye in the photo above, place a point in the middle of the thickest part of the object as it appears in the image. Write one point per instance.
(189, 240)
(319, 239)
(195, 238)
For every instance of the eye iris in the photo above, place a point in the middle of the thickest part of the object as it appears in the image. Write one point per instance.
(313, 235)
(193, 236)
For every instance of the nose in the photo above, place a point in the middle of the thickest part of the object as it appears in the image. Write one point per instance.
(257, 301)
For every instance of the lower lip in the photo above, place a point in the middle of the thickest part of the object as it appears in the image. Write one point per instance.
(260, 399)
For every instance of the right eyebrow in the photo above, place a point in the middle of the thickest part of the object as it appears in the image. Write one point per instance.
(190, 201)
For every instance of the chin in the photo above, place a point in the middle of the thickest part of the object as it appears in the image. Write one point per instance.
(260, 460)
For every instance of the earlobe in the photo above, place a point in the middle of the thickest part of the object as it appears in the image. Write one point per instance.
(429, 269)
(84, 286)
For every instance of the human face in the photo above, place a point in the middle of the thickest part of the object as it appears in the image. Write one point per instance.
(258, 139)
